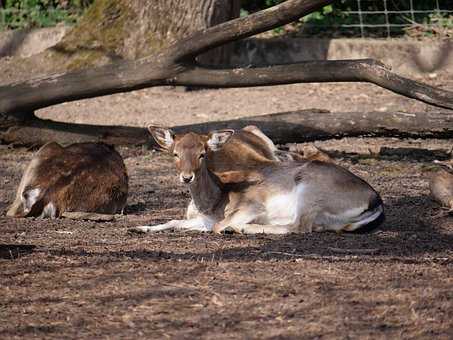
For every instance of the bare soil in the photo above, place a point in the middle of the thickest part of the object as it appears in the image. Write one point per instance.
(79, 279)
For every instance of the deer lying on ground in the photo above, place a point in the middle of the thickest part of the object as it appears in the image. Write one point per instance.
(84, 177)
(275, 197)
(441, 185)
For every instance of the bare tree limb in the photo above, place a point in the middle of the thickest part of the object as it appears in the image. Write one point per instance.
(176, 65)
(361, 70)
(146, 72)
(59, 88)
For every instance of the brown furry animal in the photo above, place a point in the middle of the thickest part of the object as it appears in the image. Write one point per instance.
(281, 198)
(82, 177)
(441, 185)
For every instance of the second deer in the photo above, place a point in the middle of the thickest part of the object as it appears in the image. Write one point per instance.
(441, 185)
(82, 177)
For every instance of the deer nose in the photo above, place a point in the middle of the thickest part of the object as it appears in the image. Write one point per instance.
(187, 178)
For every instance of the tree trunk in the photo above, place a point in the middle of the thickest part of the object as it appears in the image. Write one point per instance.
(121, 29)
(115, 30)
(282, 128)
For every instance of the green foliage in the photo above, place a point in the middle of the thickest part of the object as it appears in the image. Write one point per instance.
(330, 20)
(435, 25)
(441, 20)
(17, 14)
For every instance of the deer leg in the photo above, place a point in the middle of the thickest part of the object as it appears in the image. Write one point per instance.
(196, 224)
(240, 216)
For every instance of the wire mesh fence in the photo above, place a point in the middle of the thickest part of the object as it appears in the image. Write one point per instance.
(385, 18)
(356, 18)
(405, 15)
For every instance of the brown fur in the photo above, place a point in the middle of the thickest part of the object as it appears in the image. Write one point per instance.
(309, 152)
(244, 151)
(84, 177)
(441, 185)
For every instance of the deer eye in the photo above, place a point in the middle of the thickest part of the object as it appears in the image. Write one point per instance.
(175, 155)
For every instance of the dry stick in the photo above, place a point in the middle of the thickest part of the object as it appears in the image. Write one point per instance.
(90, 216)
(176, 65)
(353, 250)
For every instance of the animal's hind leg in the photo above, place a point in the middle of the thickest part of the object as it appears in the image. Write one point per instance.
(240, 216)
(241, 221)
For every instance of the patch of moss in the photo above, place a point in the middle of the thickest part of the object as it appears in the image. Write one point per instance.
(84, 59)
(100, 32)
(153, 43)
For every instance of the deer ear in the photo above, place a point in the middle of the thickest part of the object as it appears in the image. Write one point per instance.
(218, 138)
(164, 137)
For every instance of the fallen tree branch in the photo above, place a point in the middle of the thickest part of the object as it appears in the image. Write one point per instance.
(176, 65)
(282, 128)
(150, 71)
(361, 70)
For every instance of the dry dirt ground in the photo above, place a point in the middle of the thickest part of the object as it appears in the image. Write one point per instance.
(74, 279)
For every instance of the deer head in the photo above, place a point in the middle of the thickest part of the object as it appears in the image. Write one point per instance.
(189, 149)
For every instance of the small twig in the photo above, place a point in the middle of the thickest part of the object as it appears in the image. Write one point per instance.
(79, 215)
(286, 254)
(353, 250)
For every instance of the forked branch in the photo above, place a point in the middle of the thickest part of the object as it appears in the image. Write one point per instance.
(176, 65)
(361, 70)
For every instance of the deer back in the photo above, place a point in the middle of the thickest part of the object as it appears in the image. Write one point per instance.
(87, 177)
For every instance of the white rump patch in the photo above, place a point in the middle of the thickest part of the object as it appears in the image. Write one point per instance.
(351, 219)
(350, 215)
(365, 220)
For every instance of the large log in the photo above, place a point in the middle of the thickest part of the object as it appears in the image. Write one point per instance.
(286, 127)
(310, 125)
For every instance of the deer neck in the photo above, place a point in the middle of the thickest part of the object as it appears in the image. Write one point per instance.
(206, 191)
